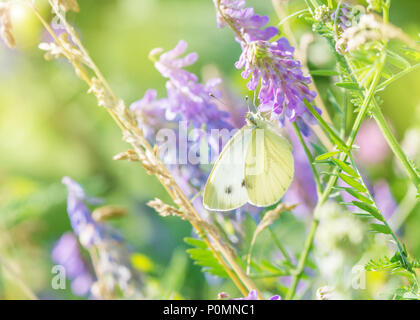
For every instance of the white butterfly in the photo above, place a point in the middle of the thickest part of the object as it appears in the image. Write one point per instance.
(255, 166)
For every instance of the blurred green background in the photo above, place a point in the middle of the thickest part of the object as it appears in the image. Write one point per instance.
(50, 127)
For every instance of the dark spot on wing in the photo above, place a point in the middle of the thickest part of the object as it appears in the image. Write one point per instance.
(243, 184)
(247, 184)
(228, 189)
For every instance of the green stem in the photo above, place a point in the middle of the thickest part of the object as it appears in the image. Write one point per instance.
(310, 159)
(330, 4)
(385, 11)
(303, 257)
(395, 146)
(291, 16)
(399, 75)
(280, 246)
(327, 128)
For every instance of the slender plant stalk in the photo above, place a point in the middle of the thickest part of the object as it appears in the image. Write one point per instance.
(302, 261)
(280, 246)
(394, 145)
(399, 75)
(17, 279)
(134, 136)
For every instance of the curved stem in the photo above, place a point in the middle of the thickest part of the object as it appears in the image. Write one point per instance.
(302, 261)
(395, 146)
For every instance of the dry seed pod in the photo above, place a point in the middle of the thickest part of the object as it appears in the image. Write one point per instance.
(108, 212)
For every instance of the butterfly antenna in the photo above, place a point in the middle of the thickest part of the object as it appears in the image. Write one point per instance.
(211, 95)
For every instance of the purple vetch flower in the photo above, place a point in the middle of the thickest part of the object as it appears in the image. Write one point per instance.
(114, 272)
(283, 87)
(187, 98)
(189, 102)
(343, 16)
(66, 252)
(244, 20)
(150, 113)
(81, 221)
(253, 296)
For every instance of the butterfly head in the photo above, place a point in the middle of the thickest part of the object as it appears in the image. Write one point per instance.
(254, 119)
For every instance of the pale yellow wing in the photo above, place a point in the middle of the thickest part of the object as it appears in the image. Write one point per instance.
(225, 188)
(268, 167)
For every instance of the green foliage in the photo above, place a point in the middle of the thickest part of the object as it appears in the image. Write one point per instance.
(203, 257)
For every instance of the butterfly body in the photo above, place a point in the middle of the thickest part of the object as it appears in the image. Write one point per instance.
(255, 166)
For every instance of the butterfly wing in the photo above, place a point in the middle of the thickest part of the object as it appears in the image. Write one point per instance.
(225, 188)
(268, 167)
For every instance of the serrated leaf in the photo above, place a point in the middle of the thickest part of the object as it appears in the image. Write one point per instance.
(380, 228)
(368, 208)
(324, 72)
(327, 155)
(352, 182)
(348, 85)
(346, 168)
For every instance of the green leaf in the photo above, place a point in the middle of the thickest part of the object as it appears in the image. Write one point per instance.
(348, 85)
(327, 155)
(324, 72)
(319, 149)
(203, 257)
(195, 242)
(334, 103)
(368, 208)
(363, 215)
(380, 228)
(382, 264)
(346, 168)
(355, 194)
(397, 60)
(352, 182)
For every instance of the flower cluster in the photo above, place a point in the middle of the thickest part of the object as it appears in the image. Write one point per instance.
(187, 98)
(252, 295)
(187, 101)
(344, 16)
(115, 274)
(88, 231)
(282, 86)
(248, 24)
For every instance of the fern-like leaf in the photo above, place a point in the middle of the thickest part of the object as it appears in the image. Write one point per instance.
(203, 257)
